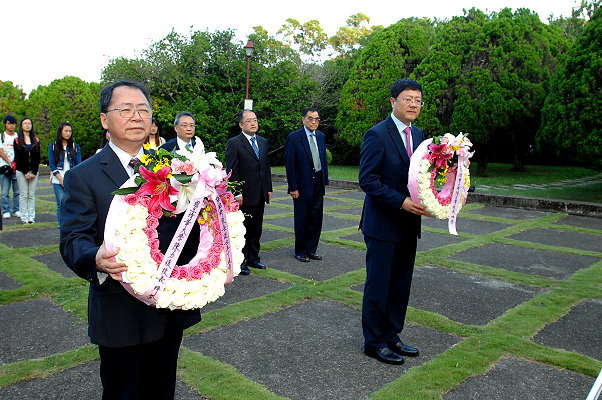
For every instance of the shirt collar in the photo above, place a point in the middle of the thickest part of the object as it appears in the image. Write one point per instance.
(400, 125)
(307, 131)
(182, 144)
(124, 157)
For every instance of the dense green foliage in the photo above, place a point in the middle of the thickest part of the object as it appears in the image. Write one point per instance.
(488, 75)
(388, 55)
(571, 116)
(67, 99)
(11, 99)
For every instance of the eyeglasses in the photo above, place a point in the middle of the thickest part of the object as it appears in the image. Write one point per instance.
(248, 121)
(186, 126)
(416, 102)
(312, 119)
(128, 112)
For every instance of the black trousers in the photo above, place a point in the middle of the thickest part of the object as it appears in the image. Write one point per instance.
(308, 219)
(144, 371)
(254, 225)
(389, 270)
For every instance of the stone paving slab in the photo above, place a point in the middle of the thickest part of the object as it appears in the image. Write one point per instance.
(578, 331)
(553, 237)
(581, 222)
(326, 332)
(328, 202)
(38, 328)
(527, 261)
(514, 379)
(466, 225)
(428, 240)
(337, 261)
(55, 262)
(510, 213)
(40, 217)
(7, 283)
(355, 195)
(328, 223)
(352, 210)
(28, 238)
(60, 386)
(245, 288)
(275, 210)
(268, 235)
(468, 299)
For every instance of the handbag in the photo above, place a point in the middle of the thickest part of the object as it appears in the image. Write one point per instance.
(6, 170)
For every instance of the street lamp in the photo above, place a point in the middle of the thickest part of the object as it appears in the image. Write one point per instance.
(249, 48)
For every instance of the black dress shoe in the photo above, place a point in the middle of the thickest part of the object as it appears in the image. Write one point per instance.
(256, 264)
(404, 349)
(313, 256)
(301, 258)
(244, 270)
(384, 355)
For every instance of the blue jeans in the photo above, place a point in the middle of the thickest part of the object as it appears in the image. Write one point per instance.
(59, 192)
(5, 183)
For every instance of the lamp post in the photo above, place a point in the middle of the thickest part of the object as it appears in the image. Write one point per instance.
(249, 48)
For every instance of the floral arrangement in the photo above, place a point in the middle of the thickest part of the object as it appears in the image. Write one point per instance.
(439, 176)
(165, 185)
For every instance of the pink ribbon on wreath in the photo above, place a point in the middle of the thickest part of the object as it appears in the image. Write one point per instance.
(457, 197)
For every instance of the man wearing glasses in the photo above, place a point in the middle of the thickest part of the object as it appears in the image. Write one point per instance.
(184, 125)
(390, 223)
(138, 344)
(307, 174)
(248, 162)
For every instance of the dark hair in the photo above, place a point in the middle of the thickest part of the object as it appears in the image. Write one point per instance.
(58, 143)
(308, 110)
(107, 93)
(403, 84)
(21, 135)
(10, 119)
(183, 114)
(157, 137)
(103, 139)
(239, 116)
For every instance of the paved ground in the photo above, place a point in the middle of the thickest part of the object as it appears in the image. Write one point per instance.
(590, 180)
(509, 309)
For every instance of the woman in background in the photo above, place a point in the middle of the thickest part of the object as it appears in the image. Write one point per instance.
(153, 139)
(63, 155)
(27, 159)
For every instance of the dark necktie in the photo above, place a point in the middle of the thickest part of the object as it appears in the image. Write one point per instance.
(134, 162)
(254, 145)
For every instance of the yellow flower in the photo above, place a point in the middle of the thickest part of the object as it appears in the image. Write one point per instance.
(144, 159)
(146, 146)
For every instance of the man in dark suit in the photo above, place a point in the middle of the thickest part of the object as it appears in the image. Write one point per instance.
(138, 344)
(247, 159)
(307, 174)
(390, 223)
(185, 126)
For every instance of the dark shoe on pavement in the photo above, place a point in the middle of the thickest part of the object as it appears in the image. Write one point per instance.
(244, 270)
(302, 259)
(384, 355)
(313, 256)
(256, 264)
(404, 349)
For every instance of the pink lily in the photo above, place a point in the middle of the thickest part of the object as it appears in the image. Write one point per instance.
(439, 154)
(158, 187)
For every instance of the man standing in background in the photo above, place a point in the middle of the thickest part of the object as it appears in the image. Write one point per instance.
(185, 127)
(248, 162)
(307, 174)
(7, 156)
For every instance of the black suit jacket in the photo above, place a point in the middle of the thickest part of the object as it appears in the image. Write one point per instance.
(115, 318)
(383, 176)
(255, 173)
(173, 144)
(300, 172)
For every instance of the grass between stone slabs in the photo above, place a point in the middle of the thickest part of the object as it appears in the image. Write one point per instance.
(480, 348)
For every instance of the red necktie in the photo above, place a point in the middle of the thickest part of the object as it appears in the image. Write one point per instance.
(408, 132)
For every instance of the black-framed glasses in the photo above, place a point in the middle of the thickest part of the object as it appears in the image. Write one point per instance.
(128, 112)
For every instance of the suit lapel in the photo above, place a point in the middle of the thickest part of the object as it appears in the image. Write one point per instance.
(396, 138)
(111, 167)
(247, 146)
(305, 144)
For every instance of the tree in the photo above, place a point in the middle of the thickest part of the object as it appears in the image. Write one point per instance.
(489, 76)
(389, 54)
(11, 99)
(347, 39)
(573, 25)
(570, 127)
(66, 99)
(309, 36)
